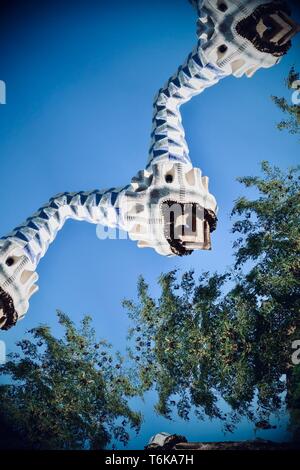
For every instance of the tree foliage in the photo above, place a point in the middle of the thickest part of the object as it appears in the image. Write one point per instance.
(68, 393)
(293, 402)
(292, 110)
(222, 336)
(219, 336)
(228, 335)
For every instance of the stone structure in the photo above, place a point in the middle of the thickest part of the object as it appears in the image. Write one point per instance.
(167, 206)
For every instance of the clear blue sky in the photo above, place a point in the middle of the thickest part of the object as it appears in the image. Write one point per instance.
(81, 77)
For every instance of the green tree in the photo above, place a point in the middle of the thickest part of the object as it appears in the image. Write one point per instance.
(292, 110)
(293, 401)
(68, 393)
(228, 335)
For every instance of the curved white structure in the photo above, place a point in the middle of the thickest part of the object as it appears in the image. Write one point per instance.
(167, 206)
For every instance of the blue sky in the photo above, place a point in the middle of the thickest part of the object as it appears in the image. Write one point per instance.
(81, 77)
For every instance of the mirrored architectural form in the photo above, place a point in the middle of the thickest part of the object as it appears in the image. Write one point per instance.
(167, 206)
